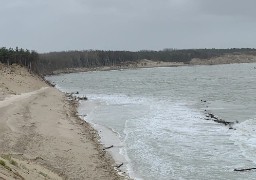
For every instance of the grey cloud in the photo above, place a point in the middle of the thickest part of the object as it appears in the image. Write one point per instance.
(48, 25)
(235, 8)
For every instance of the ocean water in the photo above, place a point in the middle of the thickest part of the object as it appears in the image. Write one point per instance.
(156, 119)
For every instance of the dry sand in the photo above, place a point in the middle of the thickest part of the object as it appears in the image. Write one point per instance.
(225, 59)
(40, 135)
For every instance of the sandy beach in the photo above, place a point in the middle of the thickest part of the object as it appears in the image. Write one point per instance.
(40, 135)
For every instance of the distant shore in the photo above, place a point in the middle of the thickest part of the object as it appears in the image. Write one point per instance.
(140, 64)
(41, 136)
(225, 59)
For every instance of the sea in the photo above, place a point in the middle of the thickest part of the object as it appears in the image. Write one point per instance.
(157, 119)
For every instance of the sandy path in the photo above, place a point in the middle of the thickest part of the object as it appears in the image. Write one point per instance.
(40, 127)
(39, 130)
(14, 98)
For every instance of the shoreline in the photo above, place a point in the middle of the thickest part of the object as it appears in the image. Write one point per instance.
(115, 147)
(110, 140)
(33, 132)
(107, 140)
(103, 142)
(110, 92)
(41, 135)
(225, 59)
(97, 134)
(139, 65)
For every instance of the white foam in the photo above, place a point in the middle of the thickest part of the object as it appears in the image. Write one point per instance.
(169, 138)
(245, 137)
(146, 130)
(166, 139)
(118, 99)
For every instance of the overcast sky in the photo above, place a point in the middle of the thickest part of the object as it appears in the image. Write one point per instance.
(55, 25)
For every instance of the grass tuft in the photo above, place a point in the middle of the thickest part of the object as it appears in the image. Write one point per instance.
(43, 174)
(9, 158)
(13, 162)
(2, 163)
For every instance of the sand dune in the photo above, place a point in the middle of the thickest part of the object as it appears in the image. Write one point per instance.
(40, 136)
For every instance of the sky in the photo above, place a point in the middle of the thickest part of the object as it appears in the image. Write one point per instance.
(60, 25)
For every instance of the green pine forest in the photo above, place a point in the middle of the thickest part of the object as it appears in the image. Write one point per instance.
(19, 56)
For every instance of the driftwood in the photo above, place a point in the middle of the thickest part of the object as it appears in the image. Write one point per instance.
(219, 120)
(108, 147)
(210, 116)
(246, 169)
(118, 166)
(71, 96)
(82, 98)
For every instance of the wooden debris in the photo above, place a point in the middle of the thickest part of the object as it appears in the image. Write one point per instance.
(219, 120)
(246, 169)
(108, 147)
(118, 166)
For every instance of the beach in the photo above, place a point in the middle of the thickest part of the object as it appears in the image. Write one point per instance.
(188, 122)
(41, 136)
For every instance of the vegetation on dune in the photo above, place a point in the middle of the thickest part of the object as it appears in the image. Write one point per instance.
(19, 56)
(43, 174)
(9, 158)
(2, 163)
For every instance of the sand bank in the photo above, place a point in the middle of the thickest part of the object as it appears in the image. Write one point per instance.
(225, 59)
(128, 65)
(40, 135)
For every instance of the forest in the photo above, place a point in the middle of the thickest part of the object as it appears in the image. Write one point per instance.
(19, 56)
(47, 63)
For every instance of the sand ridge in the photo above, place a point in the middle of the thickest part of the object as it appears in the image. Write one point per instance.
(41, 133)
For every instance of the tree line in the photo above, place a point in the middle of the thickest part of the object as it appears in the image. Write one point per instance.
(19, 56)
(48, 62)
